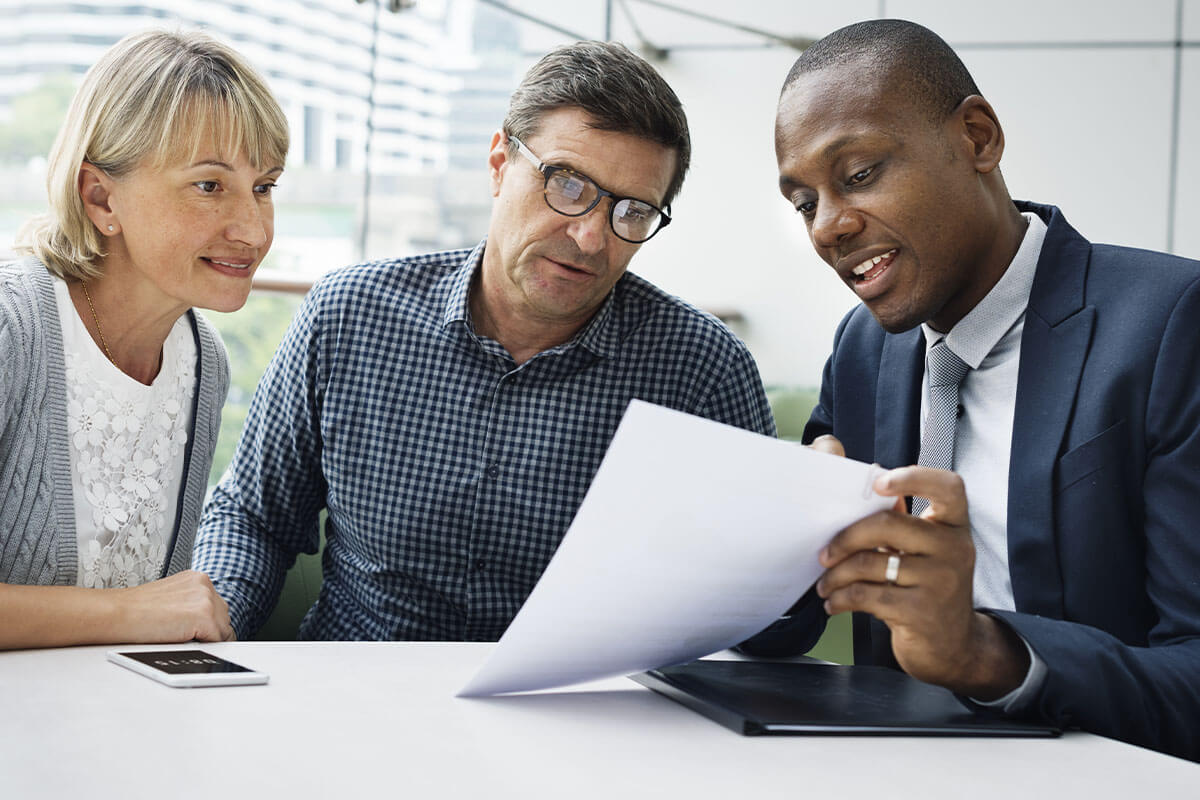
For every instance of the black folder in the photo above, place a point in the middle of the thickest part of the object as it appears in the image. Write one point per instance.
(757, 698)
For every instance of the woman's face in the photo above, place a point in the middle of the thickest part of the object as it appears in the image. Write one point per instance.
(194, 230)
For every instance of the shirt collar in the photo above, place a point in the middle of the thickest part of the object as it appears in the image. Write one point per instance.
(984, 326)
(456, 308)
(600, 334)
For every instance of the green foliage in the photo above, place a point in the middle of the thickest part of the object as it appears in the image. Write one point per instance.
(251, 336)
(35, 120)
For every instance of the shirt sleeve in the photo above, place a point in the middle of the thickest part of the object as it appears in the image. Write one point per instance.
(1021, 697)
(738, 397)
(266, 508)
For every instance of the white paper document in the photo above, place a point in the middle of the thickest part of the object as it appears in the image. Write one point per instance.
(693, 537)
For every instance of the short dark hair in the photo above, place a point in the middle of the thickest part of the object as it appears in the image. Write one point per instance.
(618, 89)
(932, 73)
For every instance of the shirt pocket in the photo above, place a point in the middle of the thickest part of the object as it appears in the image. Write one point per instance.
(1087, 459)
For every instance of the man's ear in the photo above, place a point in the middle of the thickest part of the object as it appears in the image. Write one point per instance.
(95, 189)
(982, 133)
(497, 159)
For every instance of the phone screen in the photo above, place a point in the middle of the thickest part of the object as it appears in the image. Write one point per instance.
(185, 662)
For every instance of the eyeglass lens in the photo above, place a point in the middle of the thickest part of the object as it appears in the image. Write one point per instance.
(573, 194)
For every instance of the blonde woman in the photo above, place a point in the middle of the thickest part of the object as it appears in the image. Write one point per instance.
(110, 385)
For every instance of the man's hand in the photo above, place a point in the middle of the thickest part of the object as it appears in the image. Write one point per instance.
(828, 444)
(937, 636)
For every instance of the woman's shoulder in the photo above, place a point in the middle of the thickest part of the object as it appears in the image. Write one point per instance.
(212, 349)
(25, 282)
(26, 294)
(209, 336)
(29, 336)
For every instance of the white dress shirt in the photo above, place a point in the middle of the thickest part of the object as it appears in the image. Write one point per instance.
(988, 339)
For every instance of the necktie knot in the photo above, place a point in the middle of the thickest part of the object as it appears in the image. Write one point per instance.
(944, 367)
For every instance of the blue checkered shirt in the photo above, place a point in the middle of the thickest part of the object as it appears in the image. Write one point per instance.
(449, 473)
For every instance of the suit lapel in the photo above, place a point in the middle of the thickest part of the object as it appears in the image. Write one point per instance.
(1054, 346)
(897, 444)
(898, 399)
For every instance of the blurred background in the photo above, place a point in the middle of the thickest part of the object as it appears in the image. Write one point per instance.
(392, 104)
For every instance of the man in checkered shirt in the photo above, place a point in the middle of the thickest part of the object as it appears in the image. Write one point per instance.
(450, 410)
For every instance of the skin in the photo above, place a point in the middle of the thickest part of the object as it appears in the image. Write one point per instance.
(179, 608)
(188, 234)
(872, 175)
(544, 274)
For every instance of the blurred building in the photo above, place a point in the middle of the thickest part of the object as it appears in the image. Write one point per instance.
(397, 105)
(317, 55)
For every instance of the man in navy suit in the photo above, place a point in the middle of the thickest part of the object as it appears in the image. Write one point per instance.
(1055, 574)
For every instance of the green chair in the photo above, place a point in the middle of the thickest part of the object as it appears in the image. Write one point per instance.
(301, 587)
(791, 407)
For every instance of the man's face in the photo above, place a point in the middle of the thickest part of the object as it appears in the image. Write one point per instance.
(892, 200)
(540, 267)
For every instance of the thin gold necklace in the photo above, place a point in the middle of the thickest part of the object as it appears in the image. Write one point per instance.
(96, 320)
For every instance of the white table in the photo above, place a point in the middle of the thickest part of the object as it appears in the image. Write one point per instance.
(357, 720)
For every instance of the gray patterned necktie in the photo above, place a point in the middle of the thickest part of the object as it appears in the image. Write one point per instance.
(945, 371)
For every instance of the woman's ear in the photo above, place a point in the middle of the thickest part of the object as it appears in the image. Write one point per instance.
(95, 190)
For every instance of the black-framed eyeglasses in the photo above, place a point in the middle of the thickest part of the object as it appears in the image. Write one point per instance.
(574, 194)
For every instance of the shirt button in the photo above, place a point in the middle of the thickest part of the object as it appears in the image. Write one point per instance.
(493, 471)
(480, 565)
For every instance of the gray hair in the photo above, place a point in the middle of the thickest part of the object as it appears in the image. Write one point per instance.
(150, 98)
(618, 89)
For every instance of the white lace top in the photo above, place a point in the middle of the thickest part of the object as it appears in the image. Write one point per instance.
(127, 451)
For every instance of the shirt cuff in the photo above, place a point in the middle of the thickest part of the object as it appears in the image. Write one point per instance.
(1020, 697)
(239, 608)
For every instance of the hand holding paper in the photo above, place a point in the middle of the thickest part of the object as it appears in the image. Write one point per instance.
(693, 537)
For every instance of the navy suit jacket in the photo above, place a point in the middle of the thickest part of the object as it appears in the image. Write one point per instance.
(1104, 480)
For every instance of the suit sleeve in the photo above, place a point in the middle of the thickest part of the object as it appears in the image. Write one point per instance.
(1147, 694)
(265, 509)
(798, 631)
(820, 421)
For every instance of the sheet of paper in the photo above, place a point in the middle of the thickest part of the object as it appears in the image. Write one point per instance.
(693, 536)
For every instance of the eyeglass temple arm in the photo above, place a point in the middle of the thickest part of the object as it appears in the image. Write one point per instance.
(525, 151)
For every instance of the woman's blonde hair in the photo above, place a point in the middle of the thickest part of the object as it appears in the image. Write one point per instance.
(152, 97)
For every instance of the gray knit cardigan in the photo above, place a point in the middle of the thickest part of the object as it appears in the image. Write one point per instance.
(38, 543)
